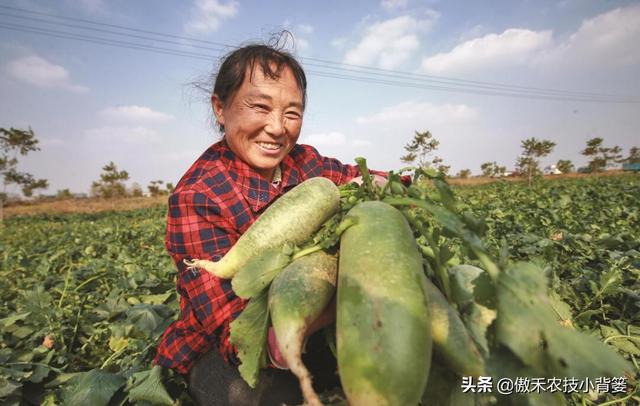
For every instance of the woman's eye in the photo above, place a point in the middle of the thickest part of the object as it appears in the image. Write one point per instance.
(263, 107)
(293, 115)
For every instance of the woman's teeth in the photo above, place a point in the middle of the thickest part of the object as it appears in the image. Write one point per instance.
(268, 145)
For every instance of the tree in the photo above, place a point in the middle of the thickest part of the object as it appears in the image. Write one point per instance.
(464, 173)
(600, 156)
(64, 194)
(154, 188)
(111, 183)
(565, 166)
(634, 156)
(487, 168)
(135, 190)
(419, 149)
(14, 142)
(437, 163)
(492, 169)
(533, 149)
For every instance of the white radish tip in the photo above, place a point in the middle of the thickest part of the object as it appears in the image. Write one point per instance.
(191, 265)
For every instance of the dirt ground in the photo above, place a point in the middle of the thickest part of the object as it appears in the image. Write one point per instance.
(89, 205)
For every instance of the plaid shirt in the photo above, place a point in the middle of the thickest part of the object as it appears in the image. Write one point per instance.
(214, 203)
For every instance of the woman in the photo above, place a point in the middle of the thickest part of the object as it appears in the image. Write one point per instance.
(258, 101)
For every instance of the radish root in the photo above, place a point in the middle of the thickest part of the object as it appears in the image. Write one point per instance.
(298, 368)
(208, 266)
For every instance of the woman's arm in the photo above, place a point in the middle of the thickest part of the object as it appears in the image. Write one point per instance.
(196, 229)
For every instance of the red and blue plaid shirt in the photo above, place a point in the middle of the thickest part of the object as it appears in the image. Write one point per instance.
(214, 203)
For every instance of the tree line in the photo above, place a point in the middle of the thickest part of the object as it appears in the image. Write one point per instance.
(16, 142)
(419, 151)
(421, 148)
(111, 185)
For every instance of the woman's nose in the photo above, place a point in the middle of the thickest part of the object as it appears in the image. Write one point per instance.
(275, 124)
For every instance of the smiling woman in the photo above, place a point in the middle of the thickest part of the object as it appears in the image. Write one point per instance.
(263, 118)
(258, 100)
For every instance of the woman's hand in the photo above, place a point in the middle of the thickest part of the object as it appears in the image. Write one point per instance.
(327, 317)
(273, 351)
(375, 179)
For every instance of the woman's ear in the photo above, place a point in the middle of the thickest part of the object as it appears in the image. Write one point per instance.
(217, 106)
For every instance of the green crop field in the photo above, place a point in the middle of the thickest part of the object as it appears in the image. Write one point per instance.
(85, 297)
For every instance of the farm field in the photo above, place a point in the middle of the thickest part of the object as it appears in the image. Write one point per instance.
(93, 205)
(86, 296)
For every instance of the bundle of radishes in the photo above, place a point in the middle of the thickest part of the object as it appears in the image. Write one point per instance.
(390, 316)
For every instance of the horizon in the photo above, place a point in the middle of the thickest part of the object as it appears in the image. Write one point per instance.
(105, 81)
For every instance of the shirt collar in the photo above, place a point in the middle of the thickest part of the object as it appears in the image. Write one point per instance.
(277, 177)
(257, 191)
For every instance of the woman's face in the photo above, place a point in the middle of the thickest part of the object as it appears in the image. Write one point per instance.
(262, 120)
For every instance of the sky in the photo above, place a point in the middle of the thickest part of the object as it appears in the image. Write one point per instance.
(102, 81)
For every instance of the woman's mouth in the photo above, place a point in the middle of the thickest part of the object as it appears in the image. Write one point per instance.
(269, 146)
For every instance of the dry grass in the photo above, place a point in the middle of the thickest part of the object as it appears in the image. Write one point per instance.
(481, 180)
(91, 205)
(96, 205)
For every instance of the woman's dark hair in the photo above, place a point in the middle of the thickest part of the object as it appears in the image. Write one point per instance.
(271, 59)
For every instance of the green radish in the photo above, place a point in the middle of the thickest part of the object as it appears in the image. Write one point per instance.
(382, 327)
(258, 272)
(293, 218)
(451, 341)
(297, 296)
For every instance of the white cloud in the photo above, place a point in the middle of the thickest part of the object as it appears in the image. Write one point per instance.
(390, 43)
(331, 138)
(300, 36)
(609, 39)
(302, 45)
(305, 29)
(473, 32)
(127, 135)
(514, 46)
(39, 72)
(135, 114)
(391, 5)
(360, 143)
(432, 113)
(207, 15)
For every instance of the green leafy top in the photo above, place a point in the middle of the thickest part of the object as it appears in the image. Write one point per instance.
(528, 325)
(249, 335)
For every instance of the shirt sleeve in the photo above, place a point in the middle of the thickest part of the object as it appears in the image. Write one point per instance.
(338, 172)
(195, 229)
